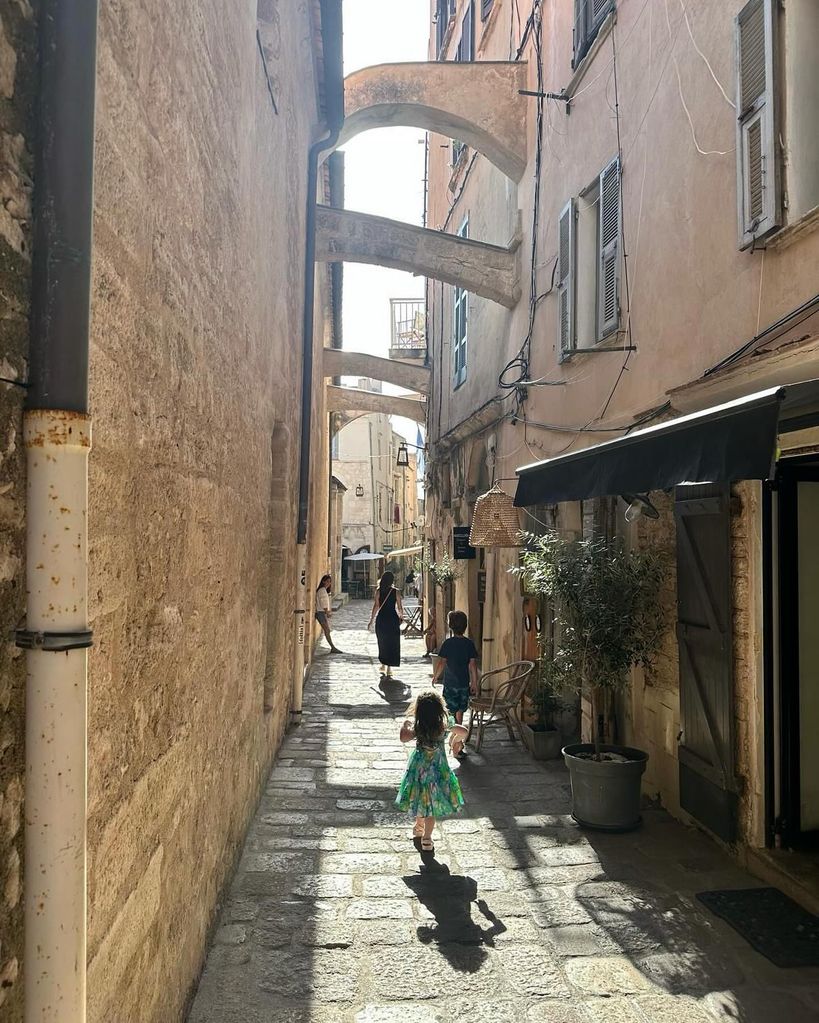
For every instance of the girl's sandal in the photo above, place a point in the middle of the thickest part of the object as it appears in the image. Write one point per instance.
(427, 845)
(416, 838)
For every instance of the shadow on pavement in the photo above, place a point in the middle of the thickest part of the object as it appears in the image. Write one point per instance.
(449, 898)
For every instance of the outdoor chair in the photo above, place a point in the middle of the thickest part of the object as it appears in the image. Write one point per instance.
(498, 702)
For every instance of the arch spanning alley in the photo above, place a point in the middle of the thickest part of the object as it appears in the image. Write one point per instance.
(339, 362)
(477, 103)
(487, 270)
(353, 400)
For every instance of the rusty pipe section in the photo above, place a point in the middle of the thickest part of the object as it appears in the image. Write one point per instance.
(57, 446)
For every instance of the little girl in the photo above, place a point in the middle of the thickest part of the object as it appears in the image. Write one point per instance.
(429, 788)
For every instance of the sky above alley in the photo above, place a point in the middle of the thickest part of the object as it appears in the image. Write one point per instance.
(384, 171)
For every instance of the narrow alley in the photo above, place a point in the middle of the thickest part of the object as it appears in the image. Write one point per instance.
(331, 917)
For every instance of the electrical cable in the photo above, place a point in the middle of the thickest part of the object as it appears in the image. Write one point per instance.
(725, 95)
(698, 147)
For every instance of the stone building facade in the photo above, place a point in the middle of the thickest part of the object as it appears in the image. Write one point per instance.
(708, 304)
(205, 116)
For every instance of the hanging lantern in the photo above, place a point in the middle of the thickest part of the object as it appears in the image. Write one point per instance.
(495, 520)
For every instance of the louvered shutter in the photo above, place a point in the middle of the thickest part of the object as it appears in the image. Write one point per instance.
(758, 193)
(467, 44)
(608, 299)
(566, 278)
(599, 10)
(486, 7)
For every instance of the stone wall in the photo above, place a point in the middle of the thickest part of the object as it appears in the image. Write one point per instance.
(195, 365)
(17, 84)
(746, 569)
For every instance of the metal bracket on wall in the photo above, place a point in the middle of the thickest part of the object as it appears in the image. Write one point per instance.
(56, 642)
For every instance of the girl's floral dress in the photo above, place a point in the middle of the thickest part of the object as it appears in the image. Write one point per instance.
(429, 787)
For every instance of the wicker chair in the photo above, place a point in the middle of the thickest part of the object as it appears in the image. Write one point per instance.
(500, 704)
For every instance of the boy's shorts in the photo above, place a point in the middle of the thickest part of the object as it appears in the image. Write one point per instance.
(456, 698)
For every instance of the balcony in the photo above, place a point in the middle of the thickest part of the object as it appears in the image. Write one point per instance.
(408, 335)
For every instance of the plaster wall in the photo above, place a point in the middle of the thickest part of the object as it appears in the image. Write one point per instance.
(694, 297)
(195, 377)
(17, 131)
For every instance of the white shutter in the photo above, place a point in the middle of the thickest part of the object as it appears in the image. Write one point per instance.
(608, 234)
(566, 278)
(758, 190)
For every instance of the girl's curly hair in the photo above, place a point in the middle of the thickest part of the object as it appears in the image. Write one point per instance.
(431, 719)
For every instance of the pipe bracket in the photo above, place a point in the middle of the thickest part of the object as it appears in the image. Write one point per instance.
(55, 642)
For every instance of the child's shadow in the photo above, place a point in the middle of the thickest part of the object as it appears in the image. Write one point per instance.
(449, 897)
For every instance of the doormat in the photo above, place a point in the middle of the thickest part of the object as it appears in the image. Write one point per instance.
(772, 923)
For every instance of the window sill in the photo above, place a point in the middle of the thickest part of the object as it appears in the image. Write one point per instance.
(786, 236)
(582, 68)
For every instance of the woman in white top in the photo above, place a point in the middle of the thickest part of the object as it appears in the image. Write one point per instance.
(323, 611)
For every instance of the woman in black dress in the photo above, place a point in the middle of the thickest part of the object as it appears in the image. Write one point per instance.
(387, 614)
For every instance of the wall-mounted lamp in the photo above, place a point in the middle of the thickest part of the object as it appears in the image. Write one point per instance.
(402, 461)
(359, 491)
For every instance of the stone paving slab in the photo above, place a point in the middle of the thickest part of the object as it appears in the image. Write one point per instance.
(520, 918)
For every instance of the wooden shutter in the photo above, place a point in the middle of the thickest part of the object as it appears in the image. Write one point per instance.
(758, 191)
(566, 277)
(608, 233)
(466, 47)
(599, 10)
(705, 640)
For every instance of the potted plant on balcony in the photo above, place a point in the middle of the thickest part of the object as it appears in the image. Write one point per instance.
(541, 734)
(606, 601)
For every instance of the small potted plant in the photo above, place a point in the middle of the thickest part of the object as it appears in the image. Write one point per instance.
(609, 617)
(541, 734)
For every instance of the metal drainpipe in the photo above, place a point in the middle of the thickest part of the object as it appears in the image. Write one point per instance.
(57, 435)
(331, 37)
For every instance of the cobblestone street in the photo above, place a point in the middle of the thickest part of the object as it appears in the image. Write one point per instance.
(522, 917)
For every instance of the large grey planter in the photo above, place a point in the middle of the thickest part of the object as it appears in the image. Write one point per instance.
(605, 794)
(543, 745)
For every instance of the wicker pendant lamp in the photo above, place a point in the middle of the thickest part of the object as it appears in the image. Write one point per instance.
(495, 521)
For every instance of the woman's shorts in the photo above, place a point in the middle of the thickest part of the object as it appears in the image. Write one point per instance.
(321, 617)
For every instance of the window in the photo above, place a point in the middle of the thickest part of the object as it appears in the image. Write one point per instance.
(444, 11)
(460, 314)
(588, 270)
(486, 8)
(589, 15)
(757, 163)
(777, 93)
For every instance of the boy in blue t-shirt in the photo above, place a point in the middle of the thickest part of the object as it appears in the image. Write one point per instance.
(458, 663)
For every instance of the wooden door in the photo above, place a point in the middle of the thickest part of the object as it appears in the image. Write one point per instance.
(531, 629)
(704, 633)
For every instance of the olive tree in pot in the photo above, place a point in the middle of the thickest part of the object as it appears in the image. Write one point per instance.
(541, 735)
(608, 612)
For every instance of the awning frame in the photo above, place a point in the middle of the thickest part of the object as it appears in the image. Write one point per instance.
(736, 440)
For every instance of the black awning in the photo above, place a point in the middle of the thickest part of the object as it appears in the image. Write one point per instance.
(735, 441)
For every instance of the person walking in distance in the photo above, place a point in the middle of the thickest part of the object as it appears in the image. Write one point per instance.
(387, 613)
(324, 610)
(429, 788)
